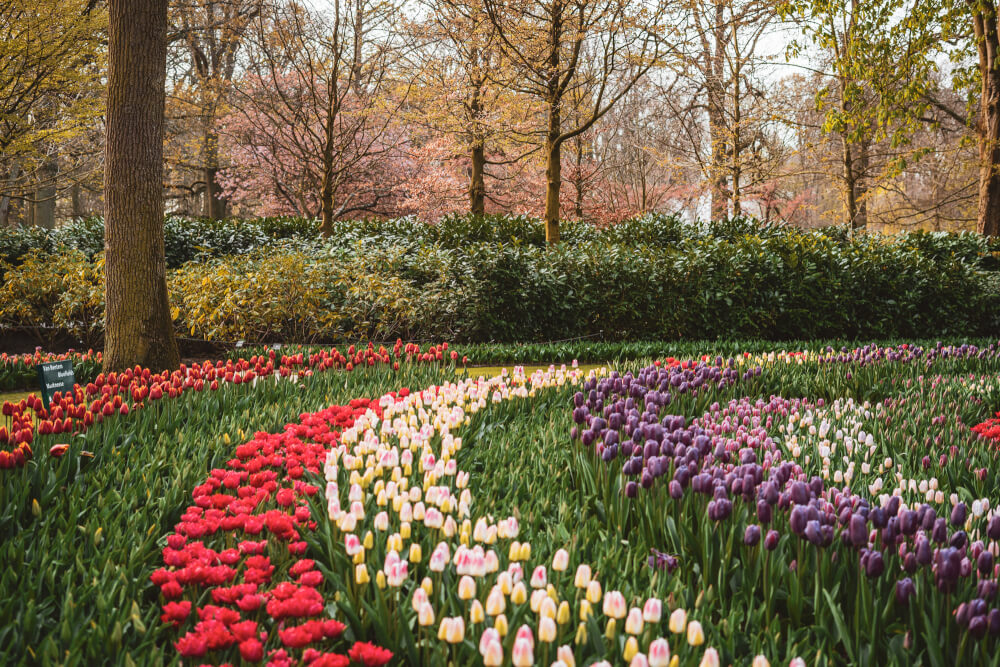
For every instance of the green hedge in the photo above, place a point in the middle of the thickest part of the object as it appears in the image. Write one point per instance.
(647, 279)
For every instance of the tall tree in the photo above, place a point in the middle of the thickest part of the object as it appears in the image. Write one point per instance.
(208, 34)
(460, 96)
(138, 328)
(546, 42)
(319, 101)
(51, 60)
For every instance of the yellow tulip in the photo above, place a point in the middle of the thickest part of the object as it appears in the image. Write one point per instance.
(631, 648)
(563, 615)
(361, 574)
(695, 634)
(476, 613)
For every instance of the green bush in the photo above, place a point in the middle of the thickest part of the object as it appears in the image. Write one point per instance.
(470, 279)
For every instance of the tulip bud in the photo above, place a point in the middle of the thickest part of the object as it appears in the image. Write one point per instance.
(565, 653)
(760, 661)
(610, 629)
(495, 602)
(500, 625)
(659, 653)
(466, 588)
(631, 648)
(425, 616)
(493, 656)
(415, 553)
(560, 561)
(678, 621)
(695, 634)
(456, 631)
(361, 574)
(476, 613)
(581, 634)
(563, 615)
(594, 592)
(582, 576)
(633, 624)
(546, 630)
(710, 659)
(652, 611)
(523, 654)
(520, 594)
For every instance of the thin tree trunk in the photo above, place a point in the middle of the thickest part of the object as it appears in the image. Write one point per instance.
(477, 183)
(716, 116)
(553, 176)
(985, 24)
(44, 214)
(850, 192)
(139, 329)
(553, 144)
(76, 202)
(215, 204)
(15, 172)
(578, 183)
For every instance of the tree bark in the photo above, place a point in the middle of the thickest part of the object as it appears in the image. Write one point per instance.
(553, 145)
(553, 176)
(138, 329)
(477, 182)
(5, 221)
(215, 204)
(715, 87)
(44, 214)
(985, 24)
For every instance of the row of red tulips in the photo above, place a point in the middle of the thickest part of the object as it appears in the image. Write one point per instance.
(114, 394)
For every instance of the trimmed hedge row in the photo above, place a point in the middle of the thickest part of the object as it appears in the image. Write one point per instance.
(721, 281)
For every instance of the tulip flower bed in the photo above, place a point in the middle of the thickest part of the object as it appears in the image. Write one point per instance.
(816, 507)
(81, 533)
(699, 518)
(17, 371)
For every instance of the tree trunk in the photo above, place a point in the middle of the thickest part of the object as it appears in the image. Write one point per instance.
(44, 214)
(477, 183)
(326, 193)
(76, 201)
(553, 142)
(578, 183)
(716, 116)
(850, 182)
(215, 204)
(988, 218)
(139, 329)
(15, 172)
(553, 177)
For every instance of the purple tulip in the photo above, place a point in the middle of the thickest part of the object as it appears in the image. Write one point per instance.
(771, 540)
(875, 566)
(752, 535)
(858, 530)
(763, 512)
(958, 514)
(631, 489)
(985, 563)
(905, 589)
(993, 531)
